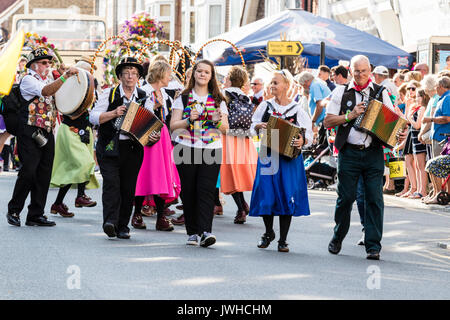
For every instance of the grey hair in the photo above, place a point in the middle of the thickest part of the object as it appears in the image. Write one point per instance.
(429, 82)
(444, 82)
(359, 58)
(259, 79)
(304, 77)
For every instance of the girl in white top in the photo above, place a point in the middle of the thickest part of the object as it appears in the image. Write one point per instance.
(198, 120)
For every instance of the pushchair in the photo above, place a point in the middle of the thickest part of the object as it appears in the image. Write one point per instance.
(320, 165)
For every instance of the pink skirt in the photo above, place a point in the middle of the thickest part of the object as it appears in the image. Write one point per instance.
(158, 174)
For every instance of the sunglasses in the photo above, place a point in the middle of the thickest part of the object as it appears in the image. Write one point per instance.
(254, 84)
(44, 63)
(412, 88)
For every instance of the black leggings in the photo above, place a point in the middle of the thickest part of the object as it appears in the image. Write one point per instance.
(239, 200)
(63, 191)
(285, 223)
(159, 203)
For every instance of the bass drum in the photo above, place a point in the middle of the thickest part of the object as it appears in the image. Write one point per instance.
(76, 95)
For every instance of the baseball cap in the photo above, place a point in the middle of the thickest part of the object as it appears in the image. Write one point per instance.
(381, 70)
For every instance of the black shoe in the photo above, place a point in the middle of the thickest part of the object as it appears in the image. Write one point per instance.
(334, 246)
(123, 235)
(283, 247)
(266, 239)
(207, 239)
(109, 229)
(373, 255)
(40, 221)
(13, 219)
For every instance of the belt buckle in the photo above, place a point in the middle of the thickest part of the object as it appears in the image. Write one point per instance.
(361, 147)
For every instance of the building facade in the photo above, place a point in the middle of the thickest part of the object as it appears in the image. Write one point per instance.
(402, 23)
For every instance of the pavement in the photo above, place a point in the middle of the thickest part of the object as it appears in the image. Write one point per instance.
(76, 260)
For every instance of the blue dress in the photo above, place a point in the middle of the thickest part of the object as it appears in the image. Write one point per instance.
(280, 185)
(280, 192)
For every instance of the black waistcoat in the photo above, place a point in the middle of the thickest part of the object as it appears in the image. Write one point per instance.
(348, 103)
(108, 136)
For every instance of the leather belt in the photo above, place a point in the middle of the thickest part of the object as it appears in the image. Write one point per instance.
(358, 146)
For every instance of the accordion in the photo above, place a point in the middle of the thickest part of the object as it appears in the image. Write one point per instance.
(286, 132)
(380, 122)
(138, 123)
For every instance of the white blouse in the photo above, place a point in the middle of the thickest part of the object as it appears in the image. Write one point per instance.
(303, 119)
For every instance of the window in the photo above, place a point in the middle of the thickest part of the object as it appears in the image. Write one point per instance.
(67, 34)
(192, 28)
(164, 10)
(166, 36)
(215, 20)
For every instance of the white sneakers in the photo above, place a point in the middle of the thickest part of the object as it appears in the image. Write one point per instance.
(206, 240)
(192, 240)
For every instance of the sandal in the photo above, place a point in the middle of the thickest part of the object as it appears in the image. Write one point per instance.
(399, 194)
(415, 195)
(432, 201)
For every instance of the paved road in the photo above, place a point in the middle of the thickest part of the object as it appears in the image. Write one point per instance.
(75, 260)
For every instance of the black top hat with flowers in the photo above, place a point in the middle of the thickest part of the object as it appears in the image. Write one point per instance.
(129, 62)
(38, 54)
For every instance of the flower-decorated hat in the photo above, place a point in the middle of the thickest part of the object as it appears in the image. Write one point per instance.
(129, 62)
(38, 54)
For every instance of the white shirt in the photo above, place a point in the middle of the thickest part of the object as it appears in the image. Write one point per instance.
(334, 107)
(391, 87)
(31, 86)
(303, 119)
(102, 104)
(149, 90)
(236, 90)
(259, 94)
(175, 85)
(178, 105)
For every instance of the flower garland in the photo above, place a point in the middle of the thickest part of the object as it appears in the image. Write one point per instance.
(134, 30)
(141, 24)
(33, 41)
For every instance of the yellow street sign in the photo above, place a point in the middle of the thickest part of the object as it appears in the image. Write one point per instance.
(284, 48)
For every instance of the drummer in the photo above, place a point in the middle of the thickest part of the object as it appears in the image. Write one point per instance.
(359, 155)
(35, 140)
(74, 162)
(119, 157)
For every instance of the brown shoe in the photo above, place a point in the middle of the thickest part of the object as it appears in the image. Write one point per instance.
(137, 222)
(218, 210)
(246, 208)
(178, 221)
(240, 217)
(62, 209)
(84, 201)
(162, 224)
(148, 211)
(168, 212)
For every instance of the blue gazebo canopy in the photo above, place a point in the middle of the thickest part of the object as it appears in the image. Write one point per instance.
(341, 42)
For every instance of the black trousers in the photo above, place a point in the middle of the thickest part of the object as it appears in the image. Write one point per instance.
(198, 182)
(7, 153)
(353, 164)
(119, 183)
(34, 175)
